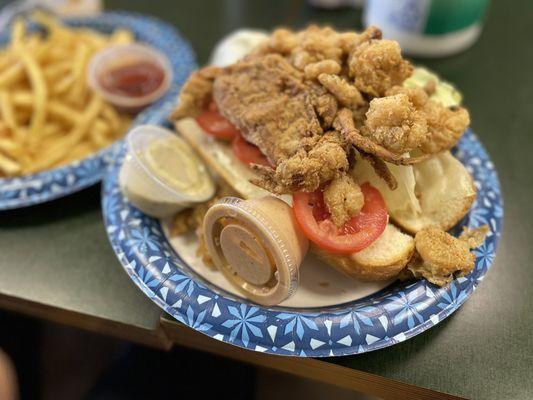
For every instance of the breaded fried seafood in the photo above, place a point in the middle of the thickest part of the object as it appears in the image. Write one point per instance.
(328, 117)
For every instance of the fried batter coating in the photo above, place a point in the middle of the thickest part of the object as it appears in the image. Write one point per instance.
(192, 219)
(326, 107)
(301, 59)
(474, 237)
(347, 94)
(416, 95)
(312, 45)
(196, 92)
(282, 41)
(344, 124)
(318, 44)
(377, 66)
(321, 67)
(439, 256)
(348, 41)
(266, 99)
(394, 123)
(307, 170)
(445, 126)
(344, 199)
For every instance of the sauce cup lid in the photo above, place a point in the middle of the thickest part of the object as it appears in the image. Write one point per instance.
(116, 56)
(255, 245)
(137, 142)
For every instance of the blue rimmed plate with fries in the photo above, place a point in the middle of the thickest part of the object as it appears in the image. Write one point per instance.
(57, 135)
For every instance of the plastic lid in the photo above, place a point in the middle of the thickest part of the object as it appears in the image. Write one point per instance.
(145, 180)
(257, 246)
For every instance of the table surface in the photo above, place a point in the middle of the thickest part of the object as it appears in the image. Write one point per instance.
(56, 256)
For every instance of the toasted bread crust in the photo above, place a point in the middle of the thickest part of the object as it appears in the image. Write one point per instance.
(355, 266)
(446, 221)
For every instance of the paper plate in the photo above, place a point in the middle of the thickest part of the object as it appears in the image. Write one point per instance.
(58, 182)
(389, 316)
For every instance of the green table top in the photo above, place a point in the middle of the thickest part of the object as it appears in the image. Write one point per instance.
(58, 253)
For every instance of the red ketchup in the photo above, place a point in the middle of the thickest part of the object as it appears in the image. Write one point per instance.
(133, 80)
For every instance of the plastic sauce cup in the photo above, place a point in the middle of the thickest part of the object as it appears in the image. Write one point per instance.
(149, 189)
(127, 57)
(257, 245)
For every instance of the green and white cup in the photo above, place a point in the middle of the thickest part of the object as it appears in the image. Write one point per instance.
(430, 28)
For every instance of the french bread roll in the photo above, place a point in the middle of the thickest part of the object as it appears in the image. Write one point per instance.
(437, 192)
(382, 260)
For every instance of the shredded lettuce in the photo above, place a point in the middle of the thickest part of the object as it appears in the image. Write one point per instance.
(445, 93)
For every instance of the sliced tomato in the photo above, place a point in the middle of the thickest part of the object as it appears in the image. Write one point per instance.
(247, 152)
(215, 124)
(212, 106)
(358, 233)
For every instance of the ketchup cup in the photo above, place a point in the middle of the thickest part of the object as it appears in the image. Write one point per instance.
(130, 76)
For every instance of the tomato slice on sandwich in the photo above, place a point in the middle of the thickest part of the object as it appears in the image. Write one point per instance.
(358, 233)
(247, 152)
(213, 123)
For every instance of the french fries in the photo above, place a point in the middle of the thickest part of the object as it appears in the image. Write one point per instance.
(48, 114)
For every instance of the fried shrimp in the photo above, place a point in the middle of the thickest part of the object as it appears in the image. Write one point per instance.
(445, 126)
(439, 256)
(377, 65)
(326, 107)
(306, 170)
(344, 199)
(347, 94)
(313, 70)
(416, 95)
(344, 124)
(394, 123)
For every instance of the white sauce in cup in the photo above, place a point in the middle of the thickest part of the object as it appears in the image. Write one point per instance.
(162, 174)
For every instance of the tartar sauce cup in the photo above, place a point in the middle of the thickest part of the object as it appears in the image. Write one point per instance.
(161, 173)
(130, 76)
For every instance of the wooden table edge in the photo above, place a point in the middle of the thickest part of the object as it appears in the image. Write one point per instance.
(169, 332)
(310, 368)
(154, 338)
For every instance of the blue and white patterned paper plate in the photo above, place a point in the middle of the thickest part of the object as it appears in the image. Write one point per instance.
(58, 182)
(390, 316)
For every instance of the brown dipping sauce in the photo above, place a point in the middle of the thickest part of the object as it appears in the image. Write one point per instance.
(133, 80)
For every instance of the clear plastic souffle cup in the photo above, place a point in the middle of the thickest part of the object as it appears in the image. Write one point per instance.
(161, 174)
(119, 56)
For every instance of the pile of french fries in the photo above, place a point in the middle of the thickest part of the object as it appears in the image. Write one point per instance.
(49, 116)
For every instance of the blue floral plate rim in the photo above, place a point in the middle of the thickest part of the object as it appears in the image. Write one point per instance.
(44, 186)
(390, 316)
